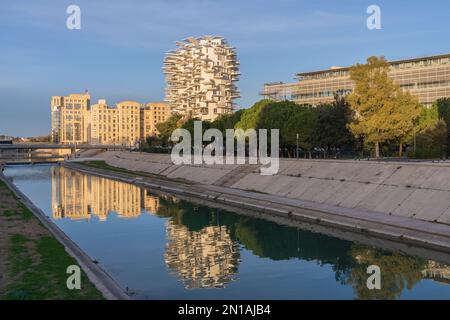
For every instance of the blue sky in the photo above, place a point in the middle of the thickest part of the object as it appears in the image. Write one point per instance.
(118, 52)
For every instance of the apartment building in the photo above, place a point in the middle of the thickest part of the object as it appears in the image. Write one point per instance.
(104, 123)
(75, 121)
(152, 114)
(70, 118)
(129, 122)
(201, 74)
(428, 78)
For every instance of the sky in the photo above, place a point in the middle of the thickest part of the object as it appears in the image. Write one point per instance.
(119, 50)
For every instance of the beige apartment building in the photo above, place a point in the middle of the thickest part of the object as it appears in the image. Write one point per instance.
(129, 113)
(104, 124)
(201, 74)
(75, 121)
(152, 114)
(428, 78)
(70, 118)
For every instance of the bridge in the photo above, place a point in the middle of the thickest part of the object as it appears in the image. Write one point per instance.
(30, 153)
(32, 146)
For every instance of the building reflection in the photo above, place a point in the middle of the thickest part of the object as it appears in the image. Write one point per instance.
(78, 196)
(204, 258)
(207, 258)
(437, 271)
(203, 244)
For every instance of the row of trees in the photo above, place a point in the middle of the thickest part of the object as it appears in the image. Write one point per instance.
(377, 117)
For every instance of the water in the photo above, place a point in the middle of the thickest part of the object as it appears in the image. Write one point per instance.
(161, 247)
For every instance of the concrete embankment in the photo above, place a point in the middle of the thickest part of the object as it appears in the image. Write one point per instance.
(415, 190)
(407, 202)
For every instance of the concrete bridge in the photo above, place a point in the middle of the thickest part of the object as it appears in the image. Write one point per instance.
(33, 146)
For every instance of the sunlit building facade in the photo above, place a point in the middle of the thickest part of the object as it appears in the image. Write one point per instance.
(201, 74)
(152, 114)
(104, 124)
(428, 78)
(76, 121)
(70, 118)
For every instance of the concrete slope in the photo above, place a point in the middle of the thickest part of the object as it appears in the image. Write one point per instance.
(412, 190)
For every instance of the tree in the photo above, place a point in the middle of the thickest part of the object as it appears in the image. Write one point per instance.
(428, 117)
(382, 111)
(443, 106)
(227, 120)
(167, 127)
(331, 130)
(189, 126)
(291, 119)
(432, 141)
(249, 117)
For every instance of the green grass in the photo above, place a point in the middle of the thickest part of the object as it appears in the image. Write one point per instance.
(37, 267)
(21, 212)
(41, 268)
(99, 164)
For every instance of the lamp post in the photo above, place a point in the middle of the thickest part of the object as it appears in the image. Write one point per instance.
(296, 150)
(414, 142)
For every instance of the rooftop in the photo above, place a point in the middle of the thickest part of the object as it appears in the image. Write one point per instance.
(337, 69)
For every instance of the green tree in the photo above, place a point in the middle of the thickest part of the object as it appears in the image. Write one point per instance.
(331, 129)
(250, 117)
(382, 111)
(167, 127)
(189, 126)
(443, 106)
(291, 119)
(227, 120)
(432, 141)
(428, 117)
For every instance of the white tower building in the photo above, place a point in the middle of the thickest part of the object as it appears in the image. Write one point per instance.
(200, 77)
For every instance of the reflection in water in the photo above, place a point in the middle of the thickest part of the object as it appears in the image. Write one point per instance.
(207, 258)
(78, 196)
(203, 244)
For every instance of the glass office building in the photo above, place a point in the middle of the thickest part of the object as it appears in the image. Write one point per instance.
(428, 78)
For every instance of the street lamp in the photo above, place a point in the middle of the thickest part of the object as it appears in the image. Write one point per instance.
(296, 150)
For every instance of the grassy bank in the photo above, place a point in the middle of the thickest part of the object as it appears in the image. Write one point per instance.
(33, 263)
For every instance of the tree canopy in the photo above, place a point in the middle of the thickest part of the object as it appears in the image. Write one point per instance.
(383, 112)
(167, 127)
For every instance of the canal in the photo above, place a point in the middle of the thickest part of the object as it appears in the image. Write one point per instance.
(161, 247)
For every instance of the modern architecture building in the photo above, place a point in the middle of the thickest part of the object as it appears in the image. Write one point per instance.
(200, 77)
(70, 118)
(76, 121)
(428, 78)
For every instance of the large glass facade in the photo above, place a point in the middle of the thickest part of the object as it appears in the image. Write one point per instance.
(427, 78)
